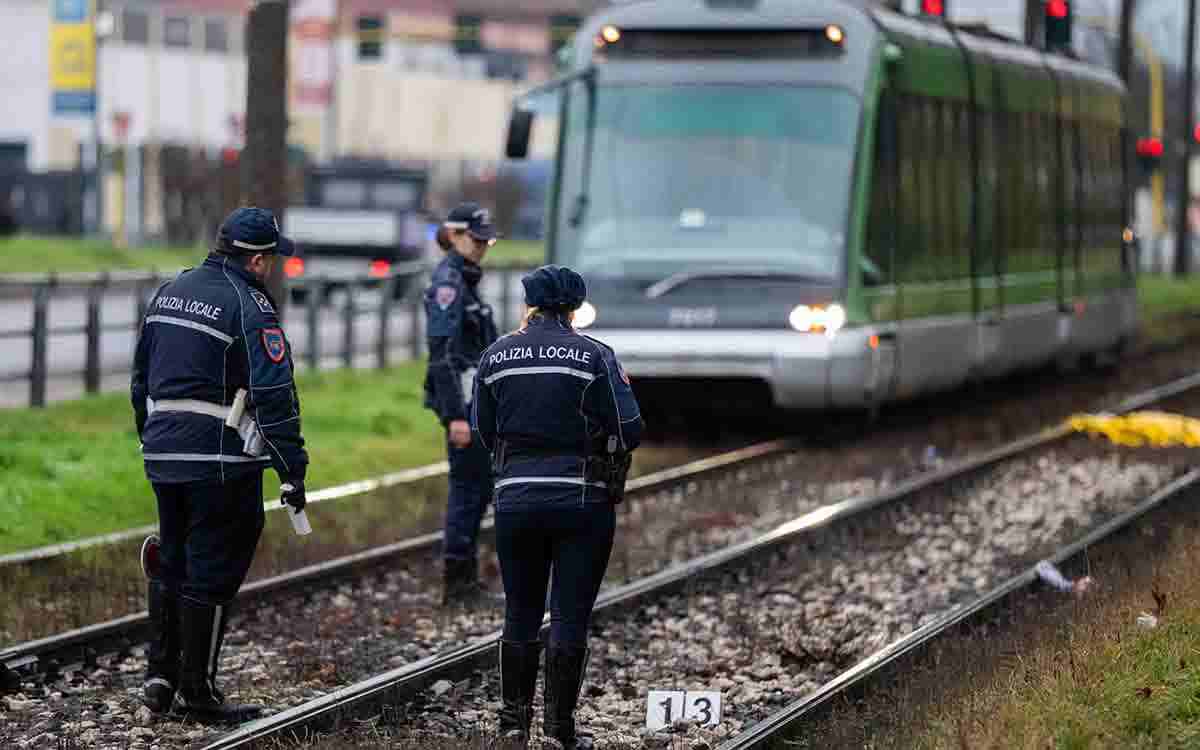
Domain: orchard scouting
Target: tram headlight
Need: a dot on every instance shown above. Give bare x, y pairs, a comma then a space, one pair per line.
818, 318
585, 315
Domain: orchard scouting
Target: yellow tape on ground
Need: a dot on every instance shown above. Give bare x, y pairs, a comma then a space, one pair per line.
1139, 428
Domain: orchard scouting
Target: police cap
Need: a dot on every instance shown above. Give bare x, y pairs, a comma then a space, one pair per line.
251, 231
476, 220
554, 288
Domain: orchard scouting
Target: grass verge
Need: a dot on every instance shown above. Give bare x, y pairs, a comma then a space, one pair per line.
74, 469
30, 254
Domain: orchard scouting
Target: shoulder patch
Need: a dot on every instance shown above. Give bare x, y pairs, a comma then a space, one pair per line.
263, 303
274, 344
446, 274
445, 295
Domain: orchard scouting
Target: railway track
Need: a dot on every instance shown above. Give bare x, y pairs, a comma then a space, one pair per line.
73, 650
793, 726
784, 554
88, 646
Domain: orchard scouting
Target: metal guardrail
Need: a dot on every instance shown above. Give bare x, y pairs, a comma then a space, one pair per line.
400, 290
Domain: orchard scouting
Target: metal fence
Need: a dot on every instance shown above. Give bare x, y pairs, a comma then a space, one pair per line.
361, 322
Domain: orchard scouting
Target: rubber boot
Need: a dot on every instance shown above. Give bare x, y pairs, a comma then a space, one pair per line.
564, 677
162, 667
203, 630
461, 585
518, 683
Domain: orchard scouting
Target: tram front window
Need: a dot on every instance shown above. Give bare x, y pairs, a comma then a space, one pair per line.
711, 176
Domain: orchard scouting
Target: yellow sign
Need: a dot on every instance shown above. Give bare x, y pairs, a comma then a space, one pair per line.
72, 56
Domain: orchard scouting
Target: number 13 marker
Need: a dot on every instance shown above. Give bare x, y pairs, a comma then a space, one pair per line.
665, 707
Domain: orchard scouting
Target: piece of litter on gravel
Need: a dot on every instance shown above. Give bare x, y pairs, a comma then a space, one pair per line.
1147, 621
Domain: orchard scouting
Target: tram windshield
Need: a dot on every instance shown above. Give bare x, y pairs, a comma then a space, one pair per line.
712, 175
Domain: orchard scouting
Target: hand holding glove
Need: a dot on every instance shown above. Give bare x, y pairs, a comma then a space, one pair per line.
292, 493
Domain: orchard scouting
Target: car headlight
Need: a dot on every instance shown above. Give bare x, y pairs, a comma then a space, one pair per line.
817, 318
585, 315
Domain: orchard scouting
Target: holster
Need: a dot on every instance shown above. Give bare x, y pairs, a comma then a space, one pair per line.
612, 469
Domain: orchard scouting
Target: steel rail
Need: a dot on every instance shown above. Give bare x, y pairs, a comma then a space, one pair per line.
789, 720
70, 650
367, 696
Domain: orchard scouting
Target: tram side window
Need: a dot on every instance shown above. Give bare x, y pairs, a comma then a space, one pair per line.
961, 192
912, 216
1050, 205
1101, 259
881, 220
1074, 193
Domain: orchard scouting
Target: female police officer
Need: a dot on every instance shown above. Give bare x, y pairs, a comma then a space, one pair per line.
556, 410
460, 328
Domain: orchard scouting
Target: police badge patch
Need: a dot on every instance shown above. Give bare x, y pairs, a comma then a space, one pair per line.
263, 303
274, 343
445, 296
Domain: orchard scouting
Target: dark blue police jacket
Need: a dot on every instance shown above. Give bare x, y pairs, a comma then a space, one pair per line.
553, 396
209, 332
460, 327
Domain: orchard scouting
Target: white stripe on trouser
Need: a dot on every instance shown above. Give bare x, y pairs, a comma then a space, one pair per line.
547, 480
212, 648
540, 371
183, 323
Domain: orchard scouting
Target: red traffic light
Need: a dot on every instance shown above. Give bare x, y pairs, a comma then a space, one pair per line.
1151, 148
933, 7
1057, 8
1196, 133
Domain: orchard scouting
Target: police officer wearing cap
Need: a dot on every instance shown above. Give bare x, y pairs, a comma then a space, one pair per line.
460, 327
556, 410
215, 404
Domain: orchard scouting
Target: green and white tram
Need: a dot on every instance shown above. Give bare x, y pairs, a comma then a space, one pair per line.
838, 203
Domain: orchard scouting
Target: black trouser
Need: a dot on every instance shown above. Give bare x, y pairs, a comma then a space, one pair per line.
577, 542
470, 494
209, 531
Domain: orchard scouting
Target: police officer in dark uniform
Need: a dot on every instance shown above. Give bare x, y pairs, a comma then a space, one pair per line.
215, 404
556, 410
460, 327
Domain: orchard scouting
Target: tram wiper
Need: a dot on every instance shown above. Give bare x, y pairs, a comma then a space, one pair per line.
580, 205
676, 280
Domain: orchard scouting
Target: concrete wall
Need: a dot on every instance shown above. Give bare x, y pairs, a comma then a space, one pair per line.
25, 84
172, 96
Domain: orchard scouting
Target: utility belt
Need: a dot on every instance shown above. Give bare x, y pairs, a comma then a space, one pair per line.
234, 417
610, 468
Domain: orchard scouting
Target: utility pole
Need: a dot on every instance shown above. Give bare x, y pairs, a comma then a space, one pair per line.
264, 161
1183, 240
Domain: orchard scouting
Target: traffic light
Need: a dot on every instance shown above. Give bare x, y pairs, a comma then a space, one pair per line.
1058, 24
1149, 154
933, 8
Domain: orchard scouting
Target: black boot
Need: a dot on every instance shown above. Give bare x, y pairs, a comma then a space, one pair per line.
518, 683
203, 629
462, 587
162, 667
564, 677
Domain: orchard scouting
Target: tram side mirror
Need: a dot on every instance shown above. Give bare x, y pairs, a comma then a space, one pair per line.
520, 126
